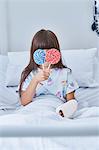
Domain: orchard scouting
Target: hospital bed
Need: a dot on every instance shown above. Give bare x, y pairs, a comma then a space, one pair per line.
30, 126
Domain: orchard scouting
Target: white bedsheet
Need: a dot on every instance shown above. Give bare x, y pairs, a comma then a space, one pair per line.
41, 111
71, 143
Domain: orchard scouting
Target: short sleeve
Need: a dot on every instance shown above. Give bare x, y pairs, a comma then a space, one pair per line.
72, 84
27, 81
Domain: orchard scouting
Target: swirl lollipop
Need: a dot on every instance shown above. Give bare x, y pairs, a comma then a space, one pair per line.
52, 56
39, 56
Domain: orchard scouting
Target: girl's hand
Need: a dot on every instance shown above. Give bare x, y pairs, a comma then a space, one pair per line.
42, 75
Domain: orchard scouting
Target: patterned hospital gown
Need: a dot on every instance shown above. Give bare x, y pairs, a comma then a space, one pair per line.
59, 83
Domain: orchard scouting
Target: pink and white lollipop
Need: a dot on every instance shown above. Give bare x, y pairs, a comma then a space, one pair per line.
52, 56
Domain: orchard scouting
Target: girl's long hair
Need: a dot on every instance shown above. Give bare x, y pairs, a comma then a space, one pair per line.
43, 39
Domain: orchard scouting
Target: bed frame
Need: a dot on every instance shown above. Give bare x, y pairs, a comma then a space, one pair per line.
71, 21
70, 130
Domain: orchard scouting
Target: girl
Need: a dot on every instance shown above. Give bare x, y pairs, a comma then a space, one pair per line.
56, 80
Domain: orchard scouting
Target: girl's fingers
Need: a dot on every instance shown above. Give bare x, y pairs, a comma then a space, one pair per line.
46, 73
47, 70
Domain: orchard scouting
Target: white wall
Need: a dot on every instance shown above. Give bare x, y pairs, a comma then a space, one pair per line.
3, 27
70, 19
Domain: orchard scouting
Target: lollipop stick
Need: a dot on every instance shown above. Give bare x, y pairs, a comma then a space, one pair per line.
43, 66
49, 66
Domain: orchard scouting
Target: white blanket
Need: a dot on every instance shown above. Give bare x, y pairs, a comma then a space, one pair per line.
42, 110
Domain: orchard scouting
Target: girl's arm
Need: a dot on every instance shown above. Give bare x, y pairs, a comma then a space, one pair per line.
28, 94
70, 96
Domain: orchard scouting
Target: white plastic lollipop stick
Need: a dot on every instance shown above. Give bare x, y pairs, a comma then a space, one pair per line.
43, 67
49, 66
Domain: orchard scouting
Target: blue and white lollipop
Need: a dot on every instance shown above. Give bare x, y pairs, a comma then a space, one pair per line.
39, 56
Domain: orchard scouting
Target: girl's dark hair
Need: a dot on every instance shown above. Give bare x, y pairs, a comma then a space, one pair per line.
43, 39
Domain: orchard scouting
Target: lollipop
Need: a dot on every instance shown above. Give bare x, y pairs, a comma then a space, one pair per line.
39, 56
53, 56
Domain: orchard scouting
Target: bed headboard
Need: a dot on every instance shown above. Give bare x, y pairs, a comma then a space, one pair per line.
70, 19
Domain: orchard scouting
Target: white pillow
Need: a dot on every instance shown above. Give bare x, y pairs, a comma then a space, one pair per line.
13, 74
96, 70
3, 67
82, 63
17, 62
19, 58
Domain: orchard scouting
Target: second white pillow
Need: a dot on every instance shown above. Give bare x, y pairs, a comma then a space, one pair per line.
82, 63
